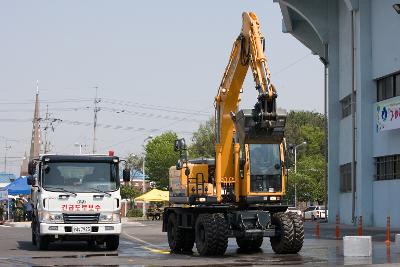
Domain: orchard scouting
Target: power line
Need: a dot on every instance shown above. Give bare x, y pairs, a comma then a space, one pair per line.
292, 64
156, 107
30, 102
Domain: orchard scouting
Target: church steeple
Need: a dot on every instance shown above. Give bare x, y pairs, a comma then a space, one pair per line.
35, 140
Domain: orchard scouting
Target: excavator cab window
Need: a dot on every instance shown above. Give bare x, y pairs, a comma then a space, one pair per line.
265, 168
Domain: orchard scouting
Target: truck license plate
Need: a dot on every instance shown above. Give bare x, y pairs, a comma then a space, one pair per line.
81, 229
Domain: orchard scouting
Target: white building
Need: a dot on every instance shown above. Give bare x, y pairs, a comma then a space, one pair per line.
360, 42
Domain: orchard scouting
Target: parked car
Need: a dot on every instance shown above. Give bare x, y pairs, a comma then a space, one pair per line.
295, 210
314, 213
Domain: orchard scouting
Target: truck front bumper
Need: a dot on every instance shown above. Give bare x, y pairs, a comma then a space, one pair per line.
67, 229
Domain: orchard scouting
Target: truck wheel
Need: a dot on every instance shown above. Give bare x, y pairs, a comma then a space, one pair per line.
211, 233
42, 241
298, 228
33, 234
282, 242
112, 242
249, 244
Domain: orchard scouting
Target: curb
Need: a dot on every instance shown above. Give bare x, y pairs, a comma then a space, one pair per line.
18, 224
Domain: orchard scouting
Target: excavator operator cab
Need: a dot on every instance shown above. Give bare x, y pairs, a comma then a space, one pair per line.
265, 168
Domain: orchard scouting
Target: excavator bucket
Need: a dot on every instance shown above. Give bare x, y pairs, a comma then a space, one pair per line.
252, 132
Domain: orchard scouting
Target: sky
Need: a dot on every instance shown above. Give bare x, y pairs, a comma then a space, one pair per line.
157, 66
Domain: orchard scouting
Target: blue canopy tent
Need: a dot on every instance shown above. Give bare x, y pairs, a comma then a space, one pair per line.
19, 187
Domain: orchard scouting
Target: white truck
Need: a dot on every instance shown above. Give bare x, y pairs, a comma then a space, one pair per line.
76, 197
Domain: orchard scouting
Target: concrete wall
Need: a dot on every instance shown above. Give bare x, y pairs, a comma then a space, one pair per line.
344, 50
385, 25
386, 199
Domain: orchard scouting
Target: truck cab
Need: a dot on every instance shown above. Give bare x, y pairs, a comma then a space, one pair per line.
77, 198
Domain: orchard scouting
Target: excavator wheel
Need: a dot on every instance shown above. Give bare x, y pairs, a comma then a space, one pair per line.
179, 240
249, 244
283, 242
298, 228
211, 233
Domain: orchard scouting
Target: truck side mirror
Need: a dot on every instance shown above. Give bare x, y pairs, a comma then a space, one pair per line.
126, 175
31, 168
30, 180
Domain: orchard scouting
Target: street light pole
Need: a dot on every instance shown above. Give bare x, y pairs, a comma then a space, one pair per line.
295, 171
144, 173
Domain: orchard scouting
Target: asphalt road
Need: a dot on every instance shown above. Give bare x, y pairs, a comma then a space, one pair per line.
143, 244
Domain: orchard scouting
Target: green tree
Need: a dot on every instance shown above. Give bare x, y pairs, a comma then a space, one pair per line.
160, 156
134, 162
306, 126
203, 141
129, 192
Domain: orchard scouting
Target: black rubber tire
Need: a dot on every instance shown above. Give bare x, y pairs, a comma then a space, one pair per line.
298, 228
42, 241
249, 244
211, 234
282, 243
112, 242
188, 240
33, 234
175, 235
222, 234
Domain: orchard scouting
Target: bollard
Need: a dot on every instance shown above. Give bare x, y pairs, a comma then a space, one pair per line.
388, 257
360, 226
337, 231
317, 230
388, 230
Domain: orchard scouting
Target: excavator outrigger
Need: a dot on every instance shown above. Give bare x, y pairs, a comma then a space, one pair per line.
239, 193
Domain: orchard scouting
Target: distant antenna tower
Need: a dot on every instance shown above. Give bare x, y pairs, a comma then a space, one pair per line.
96, 109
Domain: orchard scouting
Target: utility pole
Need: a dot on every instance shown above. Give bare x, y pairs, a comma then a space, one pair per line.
6, 147
49, 124
96, 109
45, 129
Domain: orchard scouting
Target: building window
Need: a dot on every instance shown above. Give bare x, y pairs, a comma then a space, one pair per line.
387, 167
346, 106
345, 178
388, 87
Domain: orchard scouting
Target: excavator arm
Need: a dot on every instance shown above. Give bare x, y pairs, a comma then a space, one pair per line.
255, 125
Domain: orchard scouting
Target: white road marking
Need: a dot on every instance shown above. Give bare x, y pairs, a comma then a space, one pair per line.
140, 240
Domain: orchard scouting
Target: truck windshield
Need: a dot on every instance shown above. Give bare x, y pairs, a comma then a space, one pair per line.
80, 176
265, 168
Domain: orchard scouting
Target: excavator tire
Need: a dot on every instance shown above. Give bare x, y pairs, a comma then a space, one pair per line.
211, 233
298, 228
282, 243
249, 244
222, 237
188, 241
176, 238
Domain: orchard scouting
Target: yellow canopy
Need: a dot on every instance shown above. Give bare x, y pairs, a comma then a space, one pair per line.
154, 195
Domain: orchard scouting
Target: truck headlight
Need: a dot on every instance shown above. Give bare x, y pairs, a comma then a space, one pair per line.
50, 217
109, 218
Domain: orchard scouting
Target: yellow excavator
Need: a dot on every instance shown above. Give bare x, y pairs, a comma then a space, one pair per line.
239, 193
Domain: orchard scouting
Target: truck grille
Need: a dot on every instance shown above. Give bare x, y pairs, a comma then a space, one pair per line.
81, 218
